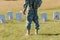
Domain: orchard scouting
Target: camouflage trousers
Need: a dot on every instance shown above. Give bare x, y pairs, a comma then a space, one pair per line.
32, 16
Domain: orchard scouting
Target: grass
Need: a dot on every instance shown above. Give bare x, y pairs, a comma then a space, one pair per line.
15, 30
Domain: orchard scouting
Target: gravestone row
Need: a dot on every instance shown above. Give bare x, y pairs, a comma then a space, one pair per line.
10, 16
19, 16
55, 16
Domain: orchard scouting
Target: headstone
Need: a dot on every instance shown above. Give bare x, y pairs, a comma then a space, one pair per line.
19, 16
2, 18
10, 15
43, 16
56, 15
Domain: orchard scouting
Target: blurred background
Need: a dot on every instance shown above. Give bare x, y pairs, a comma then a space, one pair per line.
8, 0
15, 30
18, 4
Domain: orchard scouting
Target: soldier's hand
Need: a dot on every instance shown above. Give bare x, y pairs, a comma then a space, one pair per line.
24, 12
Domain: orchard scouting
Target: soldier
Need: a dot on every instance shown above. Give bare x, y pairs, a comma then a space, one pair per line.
30, 8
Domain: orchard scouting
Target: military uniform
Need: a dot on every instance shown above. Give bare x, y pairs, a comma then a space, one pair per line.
31, 6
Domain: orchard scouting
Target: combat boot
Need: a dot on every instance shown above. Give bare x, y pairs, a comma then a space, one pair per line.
28, 32
36, 32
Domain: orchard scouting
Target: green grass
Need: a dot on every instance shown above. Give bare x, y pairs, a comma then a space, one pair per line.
15, 30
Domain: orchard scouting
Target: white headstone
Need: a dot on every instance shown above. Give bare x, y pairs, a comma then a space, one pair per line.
2, 18
19, 15
56, 15
10, 15
43, 16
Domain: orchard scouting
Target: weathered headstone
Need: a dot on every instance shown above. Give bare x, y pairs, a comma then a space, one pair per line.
10, 15
43, 16
2, 18
19, 16
56, 15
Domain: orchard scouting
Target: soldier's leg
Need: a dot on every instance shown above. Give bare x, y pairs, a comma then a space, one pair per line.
35, 19
28, 23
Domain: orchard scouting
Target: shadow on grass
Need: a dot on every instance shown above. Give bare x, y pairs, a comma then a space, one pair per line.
48, 34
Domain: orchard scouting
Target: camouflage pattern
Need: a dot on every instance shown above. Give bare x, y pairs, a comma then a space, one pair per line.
31, 6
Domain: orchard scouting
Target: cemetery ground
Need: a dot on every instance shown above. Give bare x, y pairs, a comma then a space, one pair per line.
16, 30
